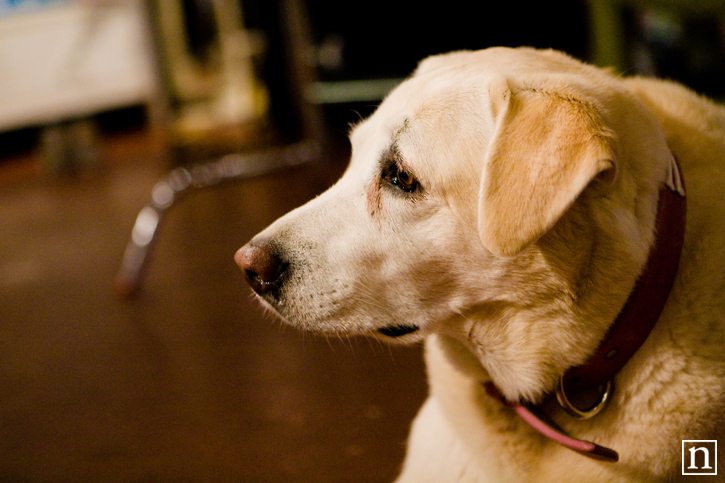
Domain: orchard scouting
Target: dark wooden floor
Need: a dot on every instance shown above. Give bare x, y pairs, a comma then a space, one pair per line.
190, 382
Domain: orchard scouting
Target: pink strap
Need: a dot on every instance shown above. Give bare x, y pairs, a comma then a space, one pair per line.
548, 428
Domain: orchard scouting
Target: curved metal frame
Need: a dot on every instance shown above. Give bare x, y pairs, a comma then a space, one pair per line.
183, 181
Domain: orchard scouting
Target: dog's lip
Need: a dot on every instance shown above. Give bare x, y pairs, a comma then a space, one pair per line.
398, 330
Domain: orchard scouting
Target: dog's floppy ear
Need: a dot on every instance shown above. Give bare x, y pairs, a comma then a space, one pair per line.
547, 147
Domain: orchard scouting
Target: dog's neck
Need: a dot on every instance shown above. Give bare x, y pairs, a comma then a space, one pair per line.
628, 332
647, 300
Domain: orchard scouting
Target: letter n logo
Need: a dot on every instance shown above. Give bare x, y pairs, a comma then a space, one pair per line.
699, 457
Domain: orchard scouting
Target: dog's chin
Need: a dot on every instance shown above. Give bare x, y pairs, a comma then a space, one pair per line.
403, 333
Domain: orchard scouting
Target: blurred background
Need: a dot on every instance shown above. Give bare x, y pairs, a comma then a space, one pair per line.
142, 143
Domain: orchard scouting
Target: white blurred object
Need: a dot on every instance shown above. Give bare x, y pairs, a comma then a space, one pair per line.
70, 61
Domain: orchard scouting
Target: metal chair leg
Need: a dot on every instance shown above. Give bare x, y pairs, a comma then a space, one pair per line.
185, 180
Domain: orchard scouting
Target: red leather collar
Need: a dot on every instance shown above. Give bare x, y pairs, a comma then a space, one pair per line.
633, 325
647, 300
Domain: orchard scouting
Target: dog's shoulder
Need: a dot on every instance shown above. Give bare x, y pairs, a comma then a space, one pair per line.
694, 127
693, 124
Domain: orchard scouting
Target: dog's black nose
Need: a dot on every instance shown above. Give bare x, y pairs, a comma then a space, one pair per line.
262, 266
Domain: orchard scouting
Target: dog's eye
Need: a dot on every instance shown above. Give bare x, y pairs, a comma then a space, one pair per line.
402, 179
405, 181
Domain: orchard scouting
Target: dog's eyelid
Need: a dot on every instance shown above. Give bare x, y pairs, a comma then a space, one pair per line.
395, 172
393, 157
400, 166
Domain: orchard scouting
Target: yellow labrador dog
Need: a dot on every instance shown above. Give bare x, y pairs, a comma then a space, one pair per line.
556, 235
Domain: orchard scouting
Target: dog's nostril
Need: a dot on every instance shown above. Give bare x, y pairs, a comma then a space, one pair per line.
261, 264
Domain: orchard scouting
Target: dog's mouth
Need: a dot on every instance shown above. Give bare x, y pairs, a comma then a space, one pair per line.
398, 330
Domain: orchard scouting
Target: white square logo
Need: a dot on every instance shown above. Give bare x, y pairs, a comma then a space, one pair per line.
699, 457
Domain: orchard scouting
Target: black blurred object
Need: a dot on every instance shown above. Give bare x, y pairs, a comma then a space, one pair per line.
388, 38
380, 39
686, 48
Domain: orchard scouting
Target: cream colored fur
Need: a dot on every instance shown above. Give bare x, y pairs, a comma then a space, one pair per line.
539, 178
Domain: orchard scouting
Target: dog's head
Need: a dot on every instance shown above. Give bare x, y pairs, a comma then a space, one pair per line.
503, 198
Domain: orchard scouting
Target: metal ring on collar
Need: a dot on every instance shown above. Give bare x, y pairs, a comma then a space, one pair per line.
583, 413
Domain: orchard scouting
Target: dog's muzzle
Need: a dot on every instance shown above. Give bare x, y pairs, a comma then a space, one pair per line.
262, 266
